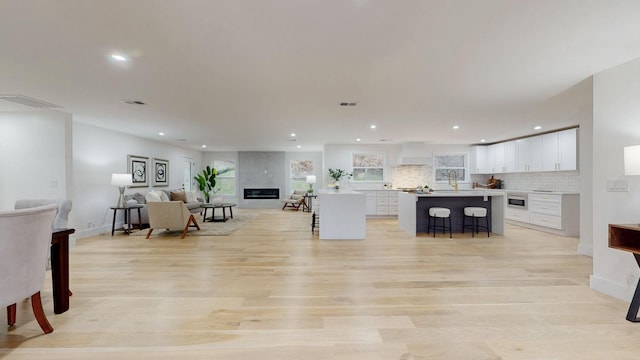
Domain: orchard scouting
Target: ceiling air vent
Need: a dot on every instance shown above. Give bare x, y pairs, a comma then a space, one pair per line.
133, 102
27, 101
348, 103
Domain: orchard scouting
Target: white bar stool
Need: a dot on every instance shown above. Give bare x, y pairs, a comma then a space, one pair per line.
436, 213
475, 213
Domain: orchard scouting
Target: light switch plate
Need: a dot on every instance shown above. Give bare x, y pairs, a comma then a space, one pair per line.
617, 185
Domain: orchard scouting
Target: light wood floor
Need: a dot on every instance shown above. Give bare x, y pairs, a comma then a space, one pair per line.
273, 291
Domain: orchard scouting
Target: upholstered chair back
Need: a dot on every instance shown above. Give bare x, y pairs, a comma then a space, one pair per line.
24, 245
62, 211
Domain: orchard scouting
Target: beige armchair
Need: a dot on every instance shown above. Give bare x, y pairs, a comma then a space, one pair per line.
295, 200
25, 241
170, 215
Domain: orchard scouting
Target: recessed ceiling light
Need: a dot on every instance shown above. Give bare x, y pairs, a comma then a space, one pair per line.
161, 133
204, 146
538, 127
456, 127
373, 126
118, 57
358, 139
483, 140
299, 146
293, 134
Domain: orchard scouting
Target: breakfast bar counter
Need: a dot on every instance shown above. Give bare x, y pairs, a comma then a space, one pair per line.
413, 208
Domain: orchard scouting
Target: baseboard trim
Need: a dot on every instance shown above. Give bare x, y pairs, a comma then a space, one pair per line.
618, 291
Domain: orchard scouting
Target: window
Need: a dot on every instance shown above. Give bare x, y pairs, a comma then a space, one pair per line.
368, 167
450, 167
226, 179
299, 171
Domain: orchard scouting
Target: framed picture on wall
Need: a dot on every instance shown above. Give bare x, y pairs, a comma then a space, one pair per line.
137, 166
160, 172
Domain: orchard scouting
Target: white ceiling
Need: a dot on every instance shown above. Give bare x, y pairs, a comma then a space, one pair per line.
244, 74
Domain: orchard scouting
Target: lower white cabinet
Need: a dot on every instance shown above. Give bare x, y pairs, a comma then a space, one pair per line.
381, 202
555, 213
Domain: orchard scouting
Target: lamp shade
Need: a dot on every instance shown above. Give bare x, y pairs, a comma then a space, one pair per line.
311, 179
121, 179
632, 160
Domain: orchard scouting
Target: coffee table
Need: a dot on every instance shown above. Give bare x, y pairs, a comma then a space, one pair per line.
213, 207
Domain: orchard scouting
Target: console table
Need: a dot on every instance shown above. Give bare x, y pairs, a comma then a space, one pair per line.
627, 238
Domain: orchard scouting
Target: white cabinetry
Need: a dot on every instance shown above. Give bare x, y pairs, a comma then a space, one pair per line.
510, 157
549, 152
529, 154
381, 202
479, 160
555, 213
559, 150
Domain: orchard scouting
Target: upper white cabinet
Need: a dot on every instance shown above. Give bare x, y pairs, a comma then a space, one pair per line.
510, 156
549, 152
559, 151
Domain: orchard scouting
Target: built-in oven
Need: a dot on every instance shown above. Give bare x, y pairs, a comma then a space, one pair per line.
517, 200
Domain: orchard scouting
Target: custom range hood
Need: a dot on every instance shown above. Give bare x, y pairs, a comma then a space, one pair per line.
414, 153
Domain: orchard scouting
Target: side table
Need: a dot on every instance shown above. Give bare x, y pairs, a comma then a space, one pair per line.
308, 202
127, 216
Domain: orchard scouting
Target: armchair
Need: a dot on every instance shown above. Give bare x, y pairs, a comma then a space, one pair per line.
170, 215
295, 200
25, 241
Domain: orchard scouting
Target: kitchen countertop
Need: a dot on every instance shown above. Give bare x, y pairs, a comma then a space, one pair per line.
460, 193
540, 192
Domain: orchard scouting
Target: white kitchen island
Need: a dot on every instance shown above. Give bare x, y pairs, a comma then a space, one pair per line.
412, 208
342, 215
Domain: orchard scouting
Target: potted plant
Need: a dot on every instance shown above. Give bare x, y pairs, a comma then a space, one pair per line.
207, 182
337, 174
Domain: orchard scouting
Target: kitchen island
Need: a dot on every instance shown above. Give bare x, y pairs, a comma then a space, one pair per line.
413, 208
342, 215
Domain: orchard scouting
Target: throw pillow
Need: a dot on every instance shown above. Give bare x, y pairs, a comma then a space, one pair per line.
178, 196
191, 196
153, 196
163, 195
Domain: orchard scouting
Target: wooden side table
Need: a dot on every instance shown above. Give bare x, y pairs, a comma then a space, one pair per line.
627, 238
127, 215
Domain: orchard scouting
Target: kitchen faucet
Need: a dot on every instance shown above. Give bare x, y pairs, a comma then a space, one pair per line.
455, 180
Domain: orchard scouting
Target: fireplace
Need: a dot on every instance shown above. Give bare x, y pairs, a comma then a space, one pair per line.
262, 193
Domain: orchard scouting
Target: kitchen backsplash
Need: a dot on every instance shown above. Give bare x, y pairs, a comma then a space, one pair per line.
565, 181
410, 176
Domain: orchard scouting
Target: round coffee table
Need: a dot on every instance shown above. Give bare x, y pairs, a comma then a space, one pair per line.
213, 207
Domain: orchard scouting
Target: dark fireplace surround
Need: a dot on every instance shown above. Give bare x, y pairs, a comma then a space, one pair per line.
261, 193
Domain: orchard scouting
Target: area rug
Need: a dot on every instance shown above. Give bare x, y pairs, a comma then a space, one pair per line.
206, 228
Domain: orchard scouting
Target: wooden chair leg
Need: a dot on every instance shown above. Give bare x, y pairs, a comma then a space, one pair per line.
11, 315
38, 312
149, 233
189, 222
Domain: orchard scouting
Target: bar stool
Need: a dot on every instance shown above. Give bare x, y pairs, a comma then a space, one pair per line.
475, 213
436, 213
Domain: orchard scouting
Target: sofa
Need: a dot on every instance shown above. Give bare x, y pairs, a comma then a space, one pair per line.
191, 201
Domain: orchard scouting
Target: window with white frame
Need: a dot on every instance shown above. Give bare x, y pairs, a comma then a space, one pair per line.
368, 167
226, 179
299, 171
450, 167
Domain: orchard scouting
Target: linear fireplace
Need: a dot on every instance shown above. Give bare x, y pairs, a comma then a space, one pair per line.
260, 194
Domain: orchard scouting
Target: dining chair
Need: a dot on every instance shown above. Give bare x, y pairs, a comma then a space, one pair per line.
24, 244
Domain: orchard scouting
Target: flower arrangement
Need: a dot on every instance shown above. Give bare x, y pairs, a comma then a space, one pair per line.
337, 174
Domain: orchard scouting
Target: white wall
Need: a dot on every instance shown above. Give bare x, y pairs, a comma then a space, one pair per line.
340, 156
35, 156
97, 153
616, 123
